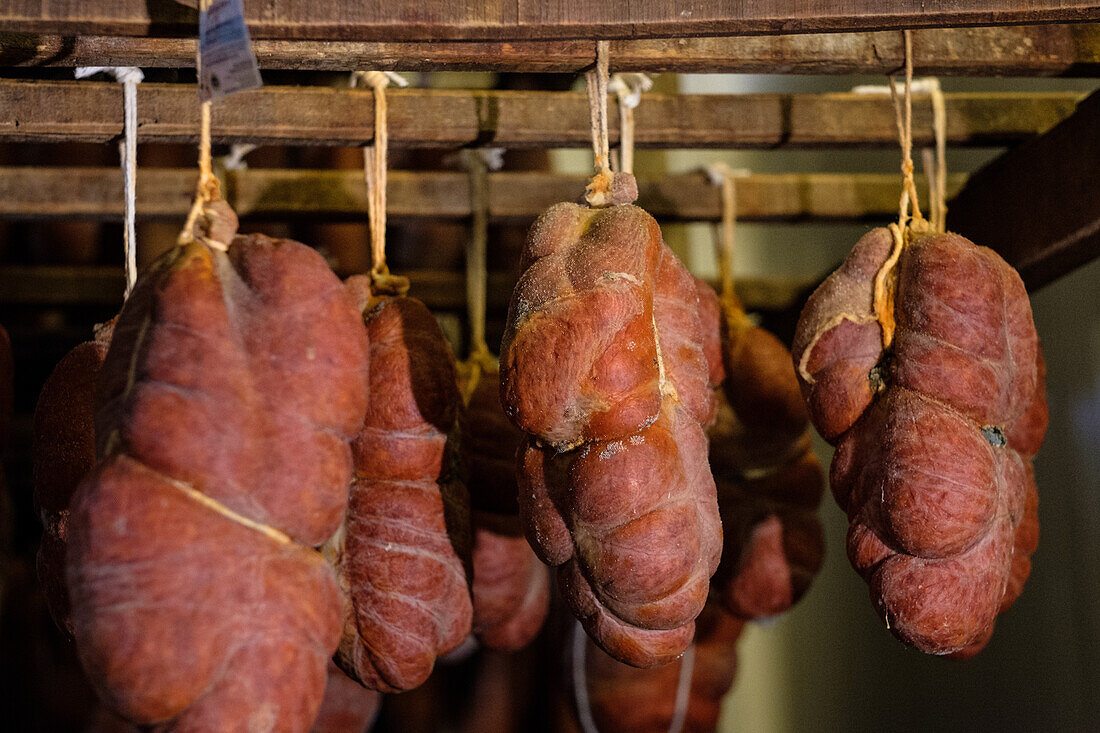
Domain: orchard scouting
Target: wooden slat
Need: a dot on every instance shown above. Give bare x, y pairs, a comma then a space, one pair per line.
92, 111
1038, 50
96, 193
1039, 205
533, 19
440, 290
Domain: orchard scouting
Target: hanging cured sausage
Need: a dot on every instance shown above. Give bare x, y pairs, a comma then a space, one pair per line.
684, 695
919, 361
602, 364
511, 588
64, 453
402, 552
225, 407
399, 554
769, 480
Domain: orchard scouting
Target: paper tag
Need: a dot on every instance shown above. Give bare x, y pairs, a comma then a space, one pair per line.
228, 63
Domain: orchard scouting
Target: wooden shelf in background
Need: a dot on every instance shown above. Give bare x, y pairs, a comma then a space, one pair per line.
1038, 205
440, 290
96, 193
1036, 50
89, 111
430, 20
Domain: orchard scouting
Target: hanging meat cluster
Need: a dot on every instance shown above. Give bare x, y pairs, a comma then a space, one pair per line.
769, 480
687, 692
64, 453
224, 408
402, 551
609, 381
769, 486
221, 413
919, 361
511, 587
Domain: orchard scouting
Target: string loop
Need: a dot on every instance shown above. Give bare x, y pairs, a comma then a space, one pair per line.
628, 88
596, 80
235, 160
129, 77
374, 170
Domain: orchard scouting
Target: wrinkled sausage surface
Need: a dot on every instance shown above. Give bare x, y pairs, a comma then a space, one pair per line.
511, 588
226, 404
927, 377
400, 553
631, 521
579, 357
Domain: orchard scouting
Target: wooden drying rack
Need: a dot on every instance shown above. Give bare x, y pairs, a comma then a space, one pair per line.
1039, 204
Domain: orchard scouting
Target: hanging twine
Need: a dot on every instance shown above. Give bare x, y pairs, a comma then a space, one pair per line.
374, 170
478, 163
903, 116
628, 89
596, 80
723, 176
208, 190
937, 176
129, 77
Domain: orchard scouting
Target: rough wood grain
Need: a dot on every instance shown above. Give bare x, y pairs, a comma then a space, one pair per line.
1037, 50
96, 193
43, 111
530, 19
41, 285
1038, 205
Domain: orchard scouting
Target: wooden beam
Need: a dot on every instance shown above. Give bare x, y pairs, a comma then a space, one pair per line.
43, 111
440, 290
1038, 205
1037, 50
427, 20
96, 193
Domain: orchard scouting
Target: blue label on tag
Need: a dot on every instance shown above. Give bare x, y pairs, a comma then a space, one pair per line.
228, 63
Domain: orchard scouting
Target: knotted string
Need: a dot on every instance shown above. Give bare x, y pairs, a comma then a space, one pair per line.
903, 116
129, 77
596, 81
374, 169
628, 89
208, 189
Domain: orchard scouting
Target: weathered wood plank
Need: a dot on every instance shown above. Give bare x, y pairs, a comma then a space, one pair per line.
440, 290
1039, 50
533, 19
1038, 205
42, 111
96, 193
